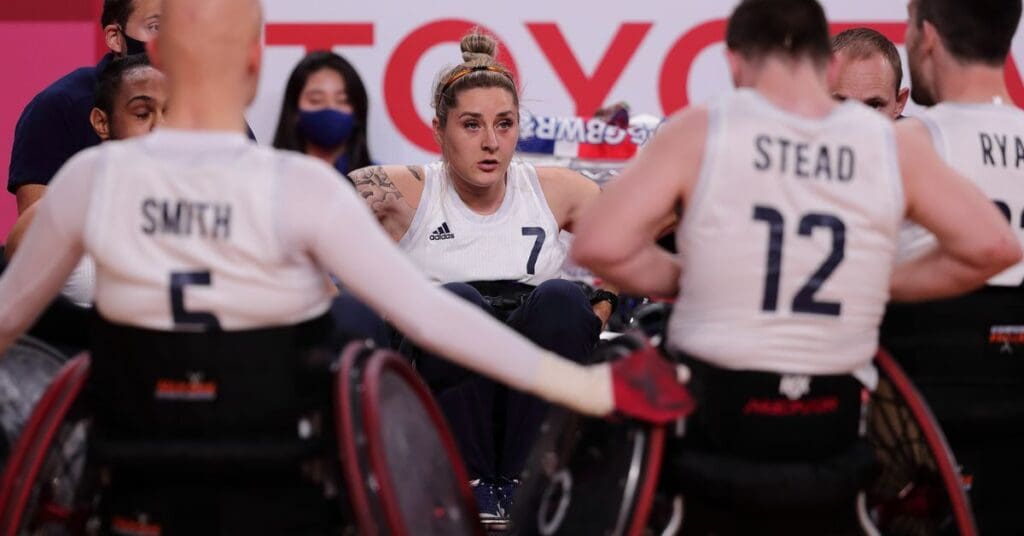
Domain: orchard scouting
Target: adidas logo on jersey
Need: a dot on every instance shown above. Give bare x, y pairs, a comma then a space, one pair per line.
442, 233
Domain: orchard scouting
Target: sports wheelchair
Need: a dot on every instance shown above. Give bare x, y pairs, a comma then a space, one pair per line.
590, 476
390, 450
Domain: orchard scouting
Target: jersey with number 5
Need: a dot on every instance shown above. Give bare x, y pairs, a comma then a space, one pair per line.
451, 243
186, 231
788, 239
985, 142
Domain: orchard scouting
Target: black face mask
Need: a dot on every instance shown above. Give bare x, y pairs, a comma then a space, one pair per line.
132, 45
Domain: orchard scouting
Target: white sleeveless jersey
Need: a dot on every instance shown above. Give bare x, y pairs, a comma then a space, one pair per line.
984, 142
182, 228
451, 243
788, 240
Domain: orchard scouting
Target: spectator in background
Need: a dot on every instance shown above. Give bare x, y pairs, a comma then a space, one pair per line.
868, 69
130, 100
324, 112
324, 116
55, 125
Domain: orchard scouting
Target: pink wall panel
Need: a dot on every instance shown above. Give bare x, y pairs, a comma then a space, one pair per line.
34, 55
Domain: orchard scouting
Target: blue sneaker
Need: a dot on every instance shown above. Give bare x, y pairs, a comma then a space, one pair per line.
505, 489
485, 493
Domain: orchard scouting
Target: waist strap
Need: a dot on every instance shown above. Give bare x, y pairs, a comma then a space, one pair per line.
765, 416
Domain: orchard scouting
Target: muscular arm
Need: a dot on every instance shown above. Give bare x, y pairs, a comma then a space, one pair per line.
377, 186
616, 237
974, 239
568, 193
28, 195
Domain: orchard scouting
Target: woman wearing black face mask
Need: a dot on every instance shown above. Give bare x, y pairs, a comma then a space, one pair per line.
132, 46
324, 112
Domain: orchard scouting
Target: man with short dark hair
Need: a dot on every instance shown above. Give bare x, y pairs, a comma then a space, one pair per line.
967, 355
792, 204
211, 253
868, 68
55, 124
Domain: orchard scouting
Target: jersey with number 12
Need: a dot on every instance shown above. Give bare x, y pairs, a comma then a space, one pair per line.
788, 239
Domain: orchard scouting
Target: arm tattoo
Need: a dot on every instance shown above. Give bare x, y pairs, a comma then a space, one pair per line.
415, 173
375, 186
380, 193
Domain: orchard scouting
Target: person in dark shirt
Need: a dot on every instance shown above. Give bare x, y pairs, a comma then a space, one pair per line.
55, 124
130, 101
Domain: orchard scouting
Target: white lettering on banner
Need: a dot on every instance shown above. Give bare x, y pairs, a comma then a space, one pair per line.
582, 130
570, 130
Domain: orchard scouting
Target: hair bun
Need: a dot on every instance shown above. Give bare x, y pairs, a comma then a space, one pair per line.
477, 46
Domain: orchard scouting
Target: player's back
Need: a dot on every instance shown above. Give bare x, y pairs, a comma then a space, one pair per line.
186, 230
984, 142
966, 348
788, 239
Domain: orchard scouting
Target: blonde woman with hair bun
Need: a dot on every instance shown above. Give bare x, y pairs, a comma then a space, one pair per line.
486, 226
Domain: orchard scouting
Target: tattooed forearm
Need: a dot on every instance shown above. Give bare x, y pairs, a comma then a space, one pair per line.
415, 172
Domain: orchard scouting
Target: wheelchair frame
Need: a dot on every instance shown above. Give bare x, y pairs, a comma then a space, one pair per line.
377, 510
22, 474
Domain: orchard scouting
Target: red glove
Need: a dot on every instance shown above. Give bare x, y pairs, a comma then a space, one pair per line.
645, 387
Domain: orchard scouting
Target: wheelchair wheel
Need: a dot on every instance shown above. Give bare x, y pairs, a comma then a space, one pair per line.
920, 490
26, 369
39, 490
401, 464
590, 476
352, 438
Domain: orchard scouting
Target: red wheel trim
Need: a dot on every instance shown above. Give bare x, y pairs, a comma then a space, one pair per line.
936, 441
346, 433
645, 498
386, 361
30, 451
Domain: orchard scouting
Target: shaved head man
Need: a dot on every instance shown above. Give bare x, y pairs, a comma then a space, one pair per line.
212, 66
868, 69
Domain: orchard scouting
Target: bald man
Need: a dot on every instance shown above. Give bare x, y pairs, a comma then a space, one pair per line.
212, 312
868, 69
